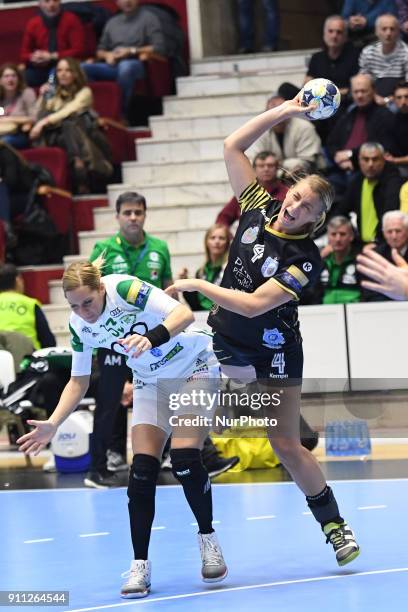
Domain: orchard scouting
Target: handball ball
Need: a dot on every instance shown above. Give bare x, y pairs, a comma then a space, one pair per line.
325, 94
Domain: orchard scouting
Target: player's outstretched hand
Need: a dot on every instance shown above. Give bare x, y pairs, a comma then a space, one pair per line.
296, 106
135, 344
387, 278
36, 440
183, 284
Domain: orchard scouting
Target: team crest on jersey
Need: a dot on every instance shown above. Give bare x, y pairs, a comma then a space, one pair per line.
86, 330
156, 352
250, 235
269, 267
273, 339
154, 256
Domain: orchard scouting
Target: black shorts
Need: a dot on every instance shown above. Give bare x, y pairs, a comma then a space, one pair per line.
283, 364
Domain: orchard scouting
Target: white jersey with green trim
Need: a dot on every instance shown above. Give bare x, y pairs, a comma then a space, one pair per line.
133, 306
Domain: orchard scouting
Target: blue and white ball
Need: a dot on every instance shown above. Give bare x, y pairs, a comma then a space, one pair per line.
325, 94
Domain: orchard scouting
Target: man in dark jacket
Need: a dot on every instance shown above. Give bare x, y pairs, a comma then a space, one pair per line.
372, 192
364, 121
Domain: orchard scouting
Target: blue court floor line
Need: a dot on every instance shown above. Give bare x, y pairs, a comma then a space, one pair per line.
248, 587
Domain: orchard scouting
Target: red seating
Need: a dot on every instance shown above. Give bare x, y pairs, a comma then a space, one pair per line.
107, 98
58, 201
52, 158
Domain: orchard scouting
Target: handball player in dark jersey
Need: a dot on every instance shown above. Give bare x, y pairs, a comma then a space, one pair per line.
254, 317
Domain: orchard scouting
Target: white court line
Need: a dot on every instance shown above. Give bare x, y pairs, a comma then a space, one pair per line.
94, 535
39, 540
260, 518
219, 591
214, 523
215, 485
371, 507
159, 527
307, 514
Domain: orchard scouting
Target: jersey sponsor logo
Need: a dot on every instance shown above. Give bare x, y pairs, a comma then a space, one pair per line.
272, 338
115, 312
156, 352
258, 252
241, 274
250, 235
269, 267
154, 256
307, 266
153, 265
119, 265
154, 275
158, 364
86, 330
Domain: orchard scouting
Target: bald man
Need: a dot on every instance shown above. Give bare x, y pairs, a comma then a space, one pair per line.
386, 60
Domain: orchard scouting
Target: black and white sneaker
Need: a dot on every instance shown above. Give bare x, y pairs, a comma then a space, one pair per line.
139, 579
217, 465
102, 480
343, 541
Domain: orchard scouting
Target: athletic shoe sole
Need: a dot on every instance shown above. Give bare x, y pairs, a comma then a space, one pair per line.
217, 579
350, 558
135, 595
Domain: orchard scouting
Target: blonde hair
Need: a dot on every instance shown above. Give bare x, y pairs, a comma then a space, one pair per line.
322, 188
83, 274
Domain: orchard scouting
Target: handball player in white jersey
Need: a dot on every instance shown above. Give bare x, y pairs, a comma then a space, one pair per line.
124, 314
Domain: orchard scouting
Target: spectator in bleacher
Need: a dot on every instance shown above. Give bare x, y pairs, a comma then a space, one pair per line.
395, 232
17, 107
128, 39
266, 166
363, 121
373, 191
294, 141
361, 15
402, 13
400, 158
338, 60
216, 244
339, 282
66, 120
386, 61
20, 313
246, 11
51, 35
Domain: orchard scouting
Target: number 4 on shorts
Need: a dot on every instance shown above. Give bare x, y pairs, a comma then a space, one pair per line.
278, 361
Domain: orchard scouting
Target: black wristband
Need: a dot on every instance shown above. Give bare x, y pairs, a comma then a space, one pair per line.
158, 335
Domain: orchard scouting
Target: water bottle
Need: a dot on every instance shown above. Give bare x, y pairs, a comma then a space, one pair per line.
52, 86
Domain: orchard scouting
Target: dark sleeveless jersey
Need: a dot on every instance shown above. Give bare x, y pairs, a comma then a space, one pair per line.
257, 254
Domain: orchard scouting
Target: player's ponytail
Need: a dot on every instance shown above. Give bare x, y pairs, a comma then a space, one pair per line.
83, 274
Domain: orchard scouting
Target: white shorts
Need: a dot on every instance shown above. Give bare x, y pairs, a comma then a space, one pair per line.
159, 404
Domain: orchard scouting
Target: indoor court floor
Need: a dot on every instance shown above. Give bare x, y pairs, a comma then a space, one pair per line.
77, 540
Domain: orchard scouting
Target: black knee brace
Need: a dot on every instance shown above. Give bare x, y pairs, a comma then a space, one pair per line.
143, 476
141, 492
189, 470
187, 465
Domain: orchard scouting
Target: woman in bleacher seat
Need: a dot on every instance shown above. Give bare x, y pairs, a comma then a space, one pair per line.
65, 119
17, 107
216, 243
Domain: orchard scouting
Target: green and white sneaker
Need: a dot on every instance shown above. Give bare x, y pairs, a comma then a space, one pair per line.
213, 567
138, 582
343, 541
